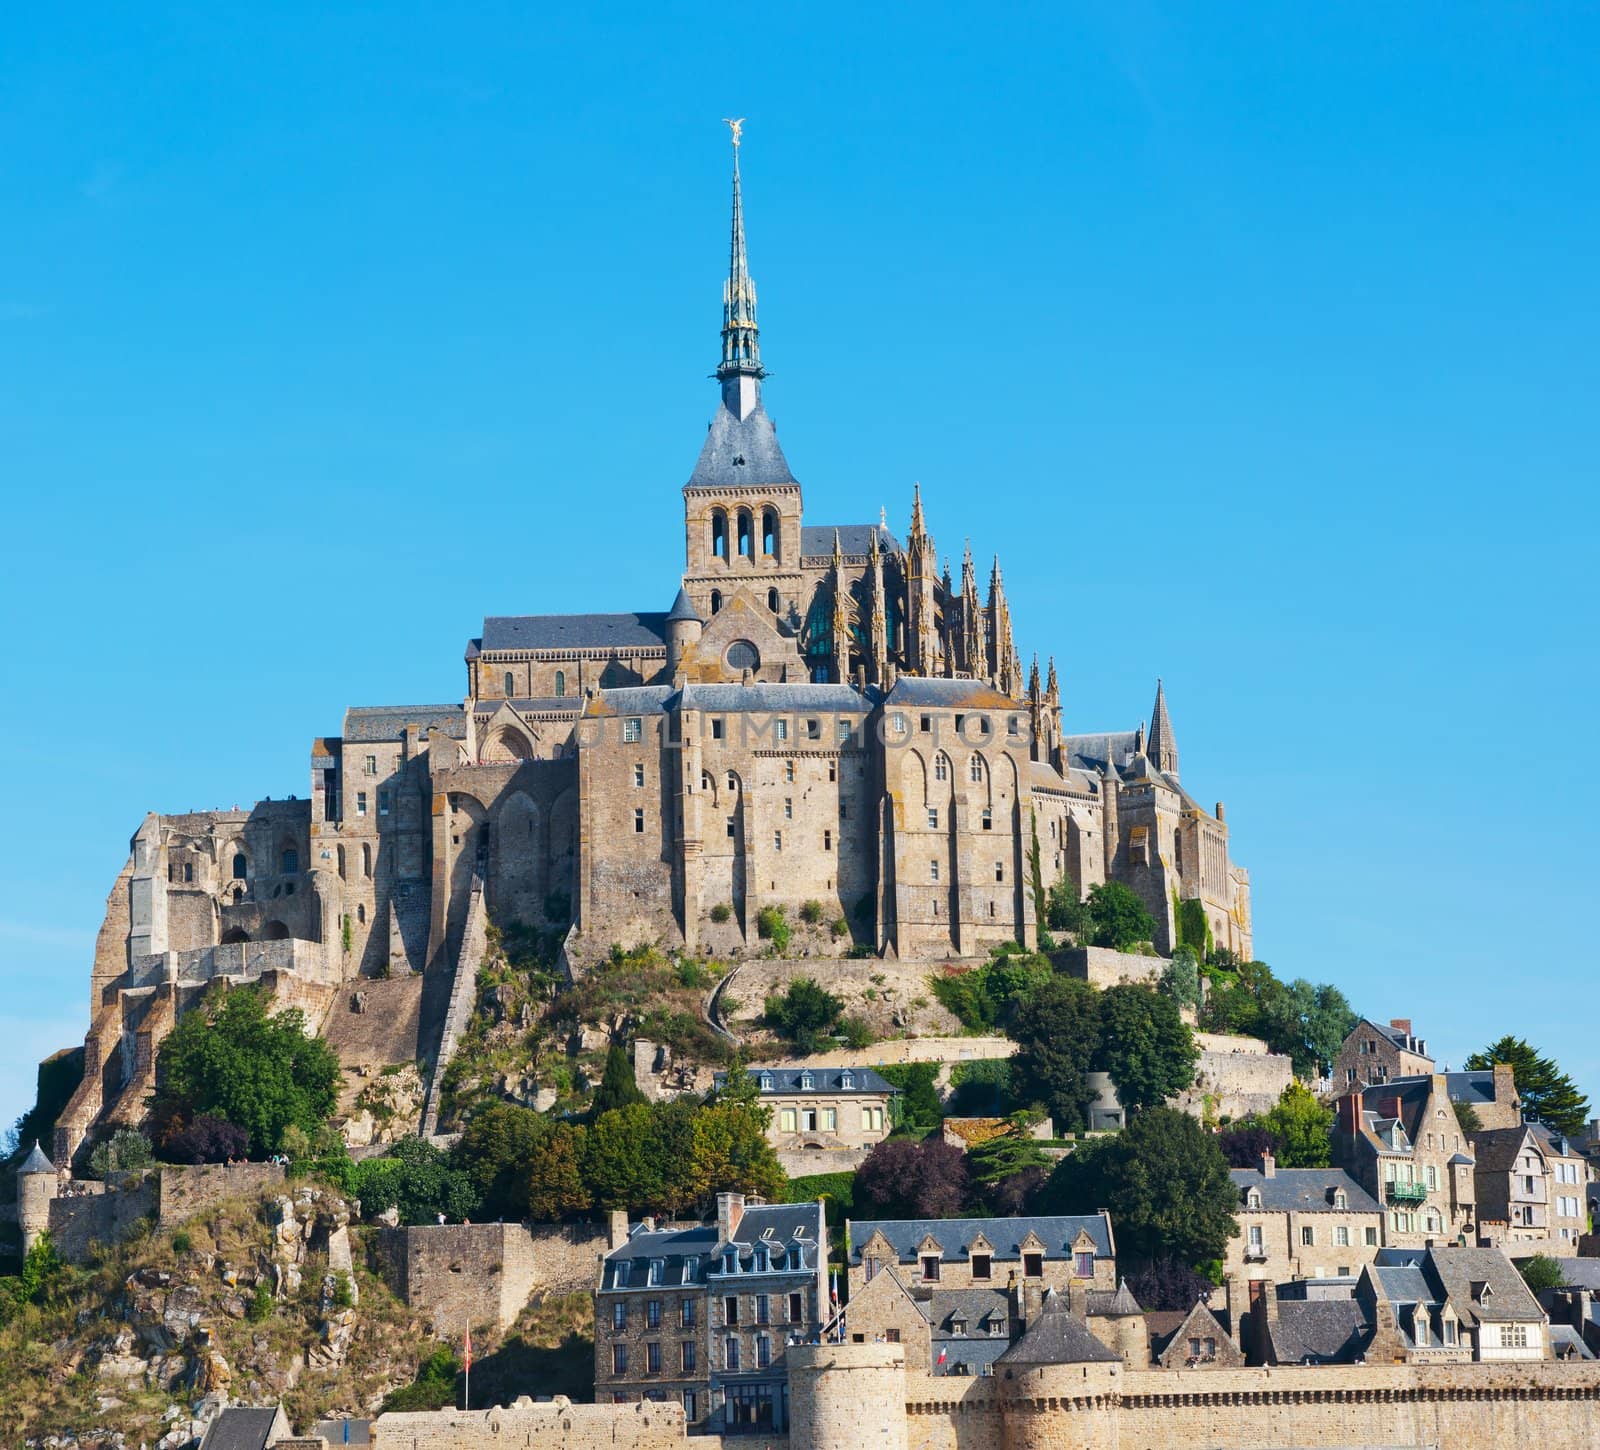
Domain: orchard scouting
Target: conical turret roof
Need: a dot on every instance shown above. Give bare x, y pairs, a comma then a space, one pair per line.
36, 1162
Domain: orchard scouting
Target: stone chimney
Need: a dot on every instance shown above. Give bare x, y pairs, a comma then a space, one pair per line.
1505, 1083
730, 1209
1268, 1165
617, 1223
1221, 814
1401, 1024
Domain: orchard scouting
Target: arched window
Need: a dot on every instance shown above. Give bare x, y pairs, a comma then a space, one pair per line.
975, 770
719, 534
716, 600
941, 768
746, 542
561, 683
769, 532
240, 866
773, 600
511, 684
291, 861
366, 860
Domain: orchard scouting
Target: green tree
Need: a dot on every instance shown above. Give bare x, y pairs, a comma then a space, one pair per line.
1541, 1272
553, 1183
1115, 917
805, 1014
1194, 930
617, 1089
232, 1059
1327, 1018
1145, 1045
1301, 1128
918, 1107
1181, 979
617, 1164
1548, 1094
1063, 910
730, 1152
496, 1149
126, 1151
418, 1180
1467, 1118
1057, 1030
1163, 1180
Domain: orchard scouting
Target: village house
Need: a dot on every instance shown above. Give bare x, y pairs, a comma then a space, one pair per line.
1449, 1303
824, 1108
1301, 1223
1373, 1053
1531, 1184
1401, 1142
700, 1315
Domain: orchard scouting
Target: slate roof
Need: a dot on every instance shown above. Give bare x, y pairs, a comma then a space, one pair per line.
1567, 1343
682, 607
776, 1223
1496, 1149
777, 698
938, 691
740, 453
1115, 1303
371, 724
531, 705
36, 1162
1304, 1189
1005, 1235
1090, 752
975, 1306
817, 539
573, 631
824, 1080
630, 700
1404, 1284
1200, 1322
1557, 1144
1575, 1273
1457, 1270
1470, 1087
241, 1427
1324, 1331
1057, 1337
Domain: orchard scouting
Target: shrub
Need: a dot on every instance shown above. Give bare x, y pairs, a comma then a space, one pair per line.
861, 951
181, 1242
772, 924
903, 1179
811, 913
127, 1151
839, 927
857, 1032
917, 1107
1540, 1273
836, 1190
805, 1014
434, 1387
260, 1306
692, 973
721, 912
343, 1294
206, 1139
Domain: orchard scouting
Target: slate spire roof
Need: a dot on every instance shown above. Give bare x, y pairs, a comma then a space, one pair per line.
36, 1162
1163, 747
682, 608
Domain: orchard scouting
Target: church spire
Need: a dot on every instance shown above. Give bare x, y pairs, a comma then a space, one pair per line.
740, 371
1162, 748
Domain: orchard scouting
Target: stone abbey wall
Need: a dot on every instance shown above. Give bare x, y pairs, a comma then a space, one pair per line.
556, 1424
485, 1273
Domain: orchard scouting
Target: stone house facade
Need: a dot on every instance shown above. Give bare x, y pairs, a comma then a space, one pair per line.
1400, 1141
1057, 1252
821, 714
824, 1108
1301, 1223
1374, 1053
701, 1315
1467, 1304
1532, 1188
1491, 1093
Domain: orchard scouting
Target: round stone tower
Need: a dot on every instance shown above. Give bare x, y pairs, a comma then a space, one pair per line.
683, 630
847, 1396
37, 1184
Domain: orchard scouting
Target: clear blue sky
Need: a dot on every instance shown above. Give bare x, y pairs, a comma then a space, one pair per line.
1260, 342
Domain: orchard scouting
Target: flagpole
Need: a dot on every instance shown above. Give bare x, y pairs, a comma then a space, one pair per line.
466, 1385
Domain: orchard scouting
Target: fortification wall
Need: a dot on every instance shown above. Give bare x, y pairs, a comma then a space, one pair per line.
1232, 1084
96, 1214
482, 1273
846, 1396
1102, 967
557, 1424
188, 1189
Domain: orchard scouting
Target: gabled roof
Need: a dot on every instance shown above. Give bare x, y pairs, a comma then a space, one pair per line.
1463, 1274
1555, 1145
630, 700
241, 1427
817, 539
645, 630
1005, 1235
1323, 1331
1304, 1189
1091, 752
741, 453
1497, 1149
1199, 1323
374, 724
936, 691
731, 699
1057, 1337
1117, 1303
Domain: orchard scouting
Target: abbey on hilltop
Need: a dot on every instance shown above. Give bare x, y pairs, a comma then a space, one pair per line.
820, 713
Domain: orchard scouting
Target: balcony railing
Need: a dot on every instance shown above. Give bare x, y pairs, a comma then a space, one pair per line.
1407, 1192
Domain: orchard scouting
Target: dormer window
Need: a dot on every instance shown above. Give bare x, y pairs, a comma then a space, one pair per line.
657, 1269
806, 1080
958, 1326
1252, 1199
847, 1080
619, 1277
730, 1262
766, 1082
691, 1267
1340, 1198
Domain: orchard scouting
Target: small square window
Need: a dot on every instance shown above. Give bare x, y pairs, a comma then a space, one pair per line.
788, 772
638, 774
897, 723
638, 822
813, 730
372, 765
716, 729
361, 802
999, 871
988, 819
788, 808
632, 729
733, 828
833, 770
933, 872
927, 724
780, 729
827, 840
933, 818
1308, 1236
